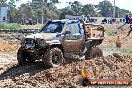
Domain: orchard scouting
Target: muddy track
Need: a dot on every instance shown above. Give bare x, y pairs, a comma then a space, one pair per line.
37, 76
16, 70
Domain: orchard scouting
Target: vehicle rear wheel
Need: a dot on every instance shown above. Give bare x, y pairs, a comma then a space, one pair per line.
53, 57
23, 57
93, 53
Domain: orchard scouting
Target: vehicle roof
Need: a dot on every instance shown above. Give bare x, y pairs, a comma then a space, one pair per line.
65, 20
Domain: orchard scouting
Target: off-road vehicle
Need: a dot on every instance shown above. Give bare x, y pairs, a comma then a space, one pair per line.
58, 38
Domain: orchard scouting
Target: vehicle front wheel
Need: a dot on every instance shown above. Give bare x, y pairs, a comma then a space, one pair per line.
23, 57
53, 57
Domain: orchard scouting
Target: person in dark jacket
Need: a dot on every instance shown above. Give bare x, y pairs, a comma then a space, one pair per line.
129, 30
127, 21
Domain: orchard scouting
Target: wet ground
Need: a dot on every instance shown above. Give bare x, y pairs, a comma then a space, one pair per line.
37, 75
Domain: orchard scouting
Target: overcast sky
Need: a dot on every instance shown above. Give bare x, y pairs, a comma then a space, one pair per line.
124, 4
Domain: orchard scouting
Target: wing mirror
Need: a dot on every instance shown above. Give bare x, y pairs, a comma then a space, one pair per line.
68, 32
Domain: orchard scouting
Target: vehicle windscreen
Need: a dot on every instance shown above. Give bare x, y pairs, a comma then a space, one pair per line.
53, 27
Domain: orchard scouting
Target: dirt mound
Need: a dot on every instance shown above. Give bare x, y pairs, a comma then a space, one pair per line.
69, 75
5, 46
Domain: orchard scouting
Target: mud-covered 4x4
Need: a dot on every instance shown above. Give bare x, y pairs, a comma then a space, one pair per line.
58, 38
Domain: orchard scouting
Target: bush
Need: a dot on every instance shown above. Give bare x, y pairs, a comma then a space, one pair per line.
11, 26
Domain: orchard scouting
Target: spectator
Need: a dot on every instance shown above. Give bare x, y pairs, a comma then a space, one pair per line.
130, 20
85, 75
30, 22
118, 43
129, 30
111, 21
127, 19
88, 17
104, 21
27, 22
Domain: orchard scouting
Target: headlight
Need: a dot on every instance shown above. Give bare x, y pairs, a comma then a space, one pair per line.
41, 42
27, 41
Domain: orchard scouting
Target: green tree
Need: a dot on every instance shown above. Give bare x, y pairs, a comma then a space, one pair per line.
26, 12
13, 13
121, 13
76, 7
105, 8
40, 10
3, 3
45, 9
89, 9
66, 11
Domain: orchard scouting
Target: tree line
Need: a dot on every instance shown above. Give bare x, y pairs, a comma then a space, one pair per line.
40, 11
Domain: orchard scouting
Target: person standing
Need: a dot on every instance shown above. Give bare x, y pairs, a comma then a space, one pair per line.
85, 75
127, 17
129, 30
118, 43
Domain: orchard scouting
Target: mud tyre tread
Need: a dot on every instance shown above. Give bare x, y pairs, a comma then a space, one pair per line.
47, 58
21, 57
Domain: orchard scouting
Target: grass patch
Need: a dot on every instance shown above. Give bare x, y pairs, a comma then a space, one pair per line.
11, 26
37, 26
110, 32
15, 26
127, 51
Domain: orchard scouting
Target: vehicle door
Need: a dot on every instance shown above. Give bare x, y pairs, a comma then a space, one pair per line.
74, 39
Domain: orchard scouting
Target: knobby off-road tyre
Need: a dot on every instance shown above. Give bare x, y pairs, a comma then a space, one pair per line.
93, 53
23, 57
53, 57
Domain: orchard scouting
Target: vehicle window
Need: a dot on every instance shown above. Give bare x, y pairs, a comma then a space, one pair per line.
74, 28
53, 27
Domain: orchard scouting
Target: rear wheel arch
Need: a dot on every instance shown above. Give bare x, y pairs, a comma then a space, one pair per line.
94, 52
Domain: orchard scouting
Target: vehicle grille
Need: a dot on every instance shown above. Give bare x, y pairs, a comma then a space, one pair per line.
29, 41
